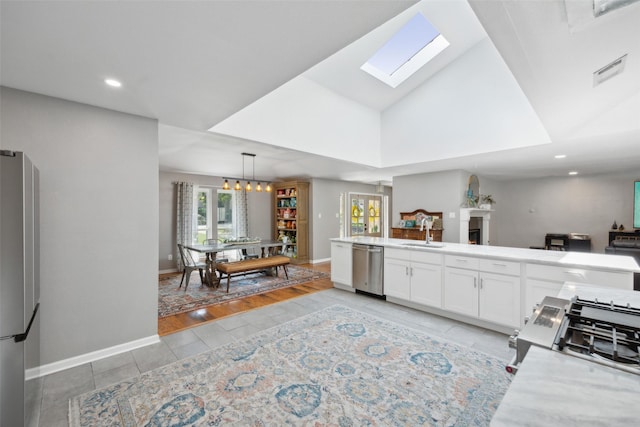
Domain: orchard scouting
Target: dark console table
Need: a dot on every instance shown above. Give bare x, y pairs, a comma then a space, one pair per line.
614, 234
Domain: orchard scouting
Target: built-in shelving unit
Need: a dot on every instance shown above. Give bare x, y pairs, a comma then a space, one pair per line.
291, 204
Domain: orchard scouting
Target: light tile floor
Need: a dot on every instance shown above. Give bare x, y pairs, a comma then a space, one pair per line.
51, 394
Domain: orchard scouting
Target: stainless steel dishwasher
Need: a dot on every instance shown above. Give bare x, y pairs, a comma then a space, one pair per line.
367, 268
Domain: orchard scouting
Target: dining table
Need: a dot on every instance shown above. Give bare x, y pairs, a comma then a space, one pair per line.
266, 248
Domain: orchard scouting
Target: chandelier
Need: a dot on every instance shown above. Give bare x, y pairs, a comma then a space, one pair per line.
248, 188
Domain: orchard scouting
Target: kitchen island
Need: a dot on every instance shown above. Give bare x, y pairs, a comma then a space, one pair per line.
489, 286
554, 388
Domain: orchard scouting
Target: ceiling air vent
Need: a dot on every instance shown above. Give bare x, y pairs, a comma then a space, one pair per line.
600, 7
612, 69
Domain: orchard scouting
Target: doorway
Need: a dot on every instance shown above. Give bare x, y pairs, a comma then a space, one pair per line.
367, 215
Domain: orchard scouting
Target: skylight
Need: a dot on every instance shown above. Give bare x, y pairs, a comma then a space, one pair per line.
415, 44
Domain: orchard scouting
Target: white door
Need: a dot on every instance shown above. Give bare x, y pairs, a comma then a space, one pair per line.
500, 299
426, 284
461, 291
396, 278
366, 212
341, 266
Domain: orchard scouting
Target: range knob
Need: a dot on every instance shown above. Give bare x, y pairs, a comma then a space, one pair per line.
526, 319
513, 339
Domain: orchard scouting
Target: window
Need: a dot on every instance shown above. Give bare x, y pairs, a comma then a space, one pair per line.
408, 50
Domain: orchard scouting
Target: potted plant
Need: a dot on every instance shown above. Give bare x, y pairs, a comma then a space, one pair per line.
486, 201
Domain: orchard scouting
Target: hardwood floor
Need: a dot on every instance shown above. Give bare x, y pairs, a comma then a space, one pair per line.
182, 321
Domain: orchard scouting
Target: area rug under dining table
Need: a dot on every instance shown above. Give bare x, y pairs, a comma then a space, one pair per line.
173, 300
337, 366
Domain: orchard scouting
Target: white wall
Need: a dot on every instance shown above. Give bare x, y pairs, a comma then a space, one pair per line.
320, 122
99, 220
529, 209
476, 106
259, 206
324, 208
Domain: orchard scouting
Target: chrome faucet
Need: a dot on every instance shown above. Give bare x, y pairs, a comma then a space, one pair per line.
425, 222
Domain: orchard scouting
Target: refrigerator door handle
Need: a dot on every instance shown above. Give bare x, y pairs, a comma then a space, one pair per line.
23, 336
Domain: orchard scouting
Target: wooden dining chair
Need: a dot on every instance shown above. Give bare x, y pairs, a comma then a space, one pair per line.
190, 264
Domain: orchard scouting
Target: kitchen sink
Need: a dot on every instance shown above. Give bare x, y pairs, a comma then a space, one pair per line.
425, 244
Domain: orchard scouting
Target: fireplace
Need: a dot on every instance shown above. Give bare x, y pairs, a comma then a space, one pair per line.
474, 236
471, 220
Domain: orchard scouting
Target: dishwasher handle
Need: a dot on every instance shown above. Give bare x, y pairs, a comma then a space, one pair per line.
374, 249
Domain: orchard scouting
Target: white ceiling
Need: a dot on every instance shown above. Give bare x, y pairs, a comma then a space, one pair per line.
192, 64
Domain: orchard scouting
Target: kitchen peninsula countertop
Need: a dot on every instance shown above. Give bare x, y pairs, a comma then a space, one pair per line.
536, 256
552, 388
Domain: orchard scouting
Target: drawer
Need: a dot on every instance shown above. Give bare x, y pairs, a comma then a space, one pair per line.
402, 254
462, 262
581, 275
500, 267
426, 257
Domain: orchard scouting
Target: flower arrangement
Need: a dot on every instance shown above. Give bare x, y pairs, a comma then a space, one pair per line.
486, 200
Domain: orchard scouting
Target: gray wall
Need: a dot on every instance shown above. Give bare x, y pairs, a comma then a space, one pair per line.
99, 219
438, 192
531, 208
526, 210
260, 208
324, 221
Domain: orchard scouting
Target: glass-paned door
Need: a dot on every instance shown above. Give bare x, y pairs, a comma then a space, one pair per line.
226, 214
366, 215
203, 213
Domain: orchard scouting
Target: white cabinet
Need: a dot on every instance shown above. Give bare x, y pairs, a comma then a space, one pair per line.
426, 284
499, 299
413, 276
546, 280
486, 295
341, 263
397, 281
461, 291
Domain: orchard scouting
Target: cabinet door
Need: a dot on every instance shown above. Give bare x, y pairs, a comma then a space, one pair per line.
536, 290
426, 284
341, 263
461, 291
396, 278
500, 299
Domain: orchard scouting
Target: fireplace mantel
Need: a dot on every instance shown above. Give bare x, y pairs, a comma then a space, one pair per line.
466, 214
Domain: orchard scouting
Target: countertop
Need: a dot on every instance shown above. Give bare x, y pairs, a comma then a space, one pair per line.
536, 256
552, 388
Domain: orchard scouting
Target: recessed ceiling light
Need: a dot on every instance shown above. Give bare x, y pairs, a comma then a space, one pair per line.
560, 156
112, 82
573, 173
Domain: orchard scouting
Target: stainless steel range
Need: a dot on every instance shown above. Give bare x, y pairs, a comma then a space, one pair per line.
601, 332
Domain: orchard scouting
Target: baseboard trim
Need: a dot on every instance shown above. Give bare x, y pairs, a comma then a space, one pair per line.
171, 270
319, 261
72, 362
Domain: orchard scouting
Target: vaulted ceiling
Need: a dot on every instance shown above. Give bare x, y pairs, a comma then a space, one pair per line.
281, 79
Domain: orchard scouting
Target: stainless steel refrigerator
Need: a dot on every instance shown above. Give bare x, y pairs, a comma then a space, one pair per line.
19, 282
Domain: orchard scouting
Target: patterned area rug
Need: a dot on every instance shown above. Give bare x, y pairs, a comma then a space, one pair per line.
336, 367
173, 300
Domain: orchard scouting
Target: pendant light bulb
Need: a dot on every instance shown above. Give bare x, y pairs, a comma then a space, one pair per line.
259, 188
225, 186
248, 187
237, 187
268, 188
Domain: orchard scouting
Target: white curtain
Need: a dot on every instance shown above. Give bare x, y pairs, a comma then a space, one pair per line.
185, 227
242, 209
